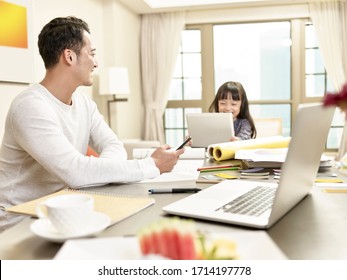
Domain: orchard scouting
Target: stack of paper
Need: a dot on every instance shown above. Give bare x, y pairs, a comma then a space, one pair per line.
269, 158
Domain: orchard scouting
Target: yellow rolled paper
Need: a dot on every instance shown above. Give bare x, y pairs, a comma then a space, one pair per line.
210, 148
225, 152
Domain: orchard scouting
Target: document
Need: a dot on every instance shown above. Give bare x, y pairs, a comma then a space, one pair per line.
269, 158
268, 155
184, 170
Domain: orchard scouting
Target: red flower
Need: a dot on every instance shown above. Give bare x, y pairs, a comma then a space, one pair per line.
336, 99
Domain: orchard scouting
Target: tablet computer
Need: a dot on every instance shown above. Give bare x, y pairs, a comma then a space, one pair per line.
209, 128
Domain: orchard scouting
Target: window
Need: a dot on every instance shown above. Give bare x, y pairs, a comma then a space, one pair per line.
317, 83
260, 61
185, 87
175, 124
186, 84
266, 62
315, 75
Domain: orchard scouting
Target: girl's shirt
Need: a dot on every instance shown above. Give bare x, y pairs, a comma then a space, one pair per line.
243, 129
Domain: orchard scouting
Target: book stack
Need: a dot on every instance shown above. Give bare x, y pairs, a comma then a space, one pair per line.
277, 174
255, 174
218, 172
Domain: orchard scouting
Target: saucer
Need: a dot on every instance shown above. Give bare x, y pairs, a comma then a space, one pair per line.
44, 229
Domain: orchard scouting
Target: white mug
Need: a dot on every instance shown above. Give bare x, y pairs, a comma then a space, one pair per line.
68, 213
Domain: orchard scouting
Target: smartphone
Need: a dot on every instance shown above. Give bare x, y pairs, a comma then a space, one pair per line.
184, 143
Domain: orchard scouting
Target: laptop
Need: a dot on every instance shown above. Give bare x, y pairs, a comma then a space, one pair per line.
224, 202
209, 128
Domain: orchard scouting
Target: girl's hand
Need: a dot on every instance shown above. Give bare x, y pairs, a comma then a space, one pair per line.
232, 139
190, 142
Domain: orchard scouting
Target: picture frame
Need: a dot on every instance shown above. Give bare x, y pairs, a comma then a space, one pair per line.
16, 43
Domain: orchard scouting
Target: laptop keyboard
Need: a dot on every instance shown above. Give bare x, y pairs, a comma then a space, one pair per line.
252, 203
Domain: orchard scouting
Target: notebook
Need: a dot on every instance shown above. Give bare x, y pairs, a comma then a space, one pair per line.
215, 203
117, 207
209, 128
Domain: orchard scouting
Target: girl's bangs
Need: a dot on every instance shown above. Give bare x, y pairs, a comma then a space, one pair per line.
230, 94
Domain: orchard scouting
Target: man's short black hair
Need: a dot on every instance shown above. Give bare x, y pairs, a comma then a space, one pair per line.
59, 34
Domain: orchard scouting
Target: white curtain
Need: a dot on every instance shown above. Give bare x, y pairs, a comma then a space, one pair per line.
330, 22
160, 40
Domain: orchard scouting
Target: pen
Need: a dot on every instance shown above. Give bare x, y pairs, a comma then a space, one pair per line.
174, 190
328, 181
220, 169
335, 190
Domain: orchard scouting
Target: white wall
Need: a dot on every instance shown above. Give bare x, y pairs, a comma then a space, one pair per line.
121, 29
116, 41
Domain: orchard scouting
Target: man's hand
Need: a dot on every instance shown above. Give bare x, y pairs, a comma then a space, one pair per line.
164, 159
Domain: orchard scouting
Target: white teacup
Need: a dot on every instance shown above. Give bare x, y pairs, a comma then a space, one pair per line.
69, 213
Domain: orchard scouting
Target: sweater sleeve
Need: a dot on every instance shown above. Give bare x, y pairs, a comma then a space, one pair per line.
38, 130
243, 129
102, 138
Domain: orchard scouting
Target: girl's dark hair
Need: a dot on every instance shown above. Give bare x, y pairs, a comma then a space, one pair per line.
59, 34
234, 91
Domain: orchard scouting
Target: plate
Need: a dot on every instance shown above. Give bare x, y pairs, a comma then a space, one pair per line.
44, 229
127, 248
106, 248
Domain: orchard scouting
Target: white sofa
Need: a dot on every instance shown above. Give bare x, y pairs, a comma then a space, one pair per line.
131, 144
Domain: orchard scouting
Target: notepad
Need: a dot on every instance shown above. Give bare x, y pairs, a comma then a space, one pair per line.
117, 207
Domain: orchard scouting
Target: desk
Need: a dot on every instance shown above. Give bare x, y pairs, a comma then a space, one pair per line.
314, 229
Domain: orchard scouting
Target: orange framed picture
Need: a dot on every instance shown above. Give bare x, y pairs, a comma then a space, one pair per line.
16, 41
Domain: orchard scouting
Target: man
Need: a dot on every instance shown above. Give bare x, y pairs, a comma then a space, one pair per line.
49, 127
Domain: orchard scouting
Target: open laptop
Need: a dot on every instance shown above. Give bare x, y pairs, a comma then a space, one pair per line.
220, 202
209, 128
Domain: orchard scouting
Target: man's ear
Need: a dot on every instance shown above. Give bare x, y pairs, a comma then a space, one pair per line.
68, 56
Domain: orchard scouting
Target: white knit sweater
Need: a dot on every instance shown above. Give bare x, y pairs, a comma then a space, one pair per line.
44, 147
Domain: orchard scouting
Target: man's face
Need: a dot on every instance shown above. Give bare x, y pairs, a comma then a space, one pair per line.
86, 61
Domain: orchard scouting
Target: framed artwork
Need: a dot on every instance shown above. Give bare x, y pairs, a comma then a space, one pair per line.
16, 44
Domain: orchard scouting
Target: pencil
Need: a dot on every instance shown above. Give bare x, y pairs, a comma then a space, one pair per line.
219, 169
215, 167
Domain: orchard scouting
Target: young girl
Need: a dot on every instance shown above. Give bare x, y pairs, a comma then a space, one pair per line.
231, 98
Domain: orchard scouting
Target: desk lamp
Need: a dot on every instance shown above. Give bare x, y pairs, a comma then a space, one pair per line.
113, 81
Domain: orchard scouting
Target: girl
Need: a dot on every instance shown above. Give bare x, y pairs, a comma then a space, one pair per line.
231, 98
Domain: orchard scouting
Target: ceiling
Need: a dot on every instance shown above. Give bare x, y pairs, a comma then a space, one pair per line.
141, 6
